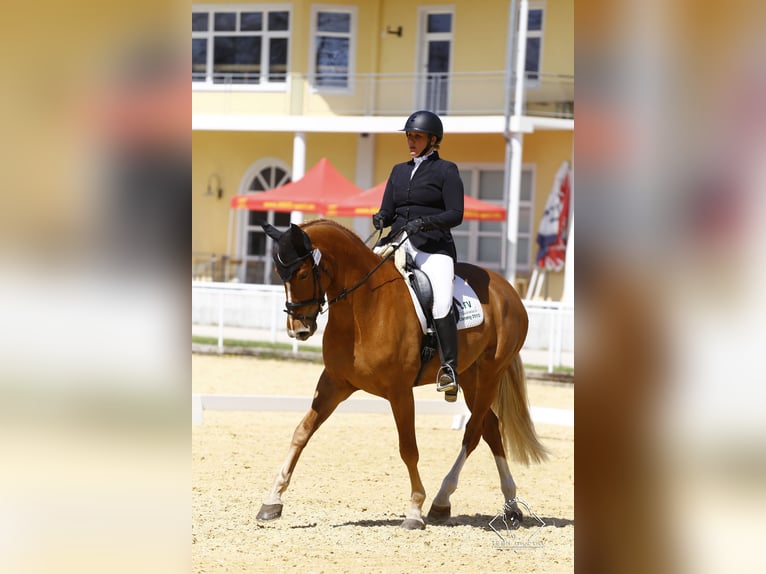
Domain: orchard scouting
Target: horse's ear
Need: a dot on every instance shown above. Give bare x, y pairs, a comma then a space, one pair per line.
270, 230
300, 240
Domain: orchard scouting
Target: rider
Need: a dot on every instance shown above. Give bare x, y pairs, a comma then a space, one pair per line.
424, 196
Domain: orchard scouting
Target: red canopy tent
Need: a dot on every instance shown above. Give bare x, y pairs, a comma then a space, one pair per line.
368, 202
321, 187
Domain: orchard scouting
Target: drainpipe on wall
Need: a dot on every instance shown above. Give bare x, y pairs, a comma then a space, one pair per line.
512, 135
299, 169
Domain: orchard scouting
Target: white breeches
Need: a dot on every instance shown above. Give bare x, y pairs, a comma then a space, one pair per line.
441, 272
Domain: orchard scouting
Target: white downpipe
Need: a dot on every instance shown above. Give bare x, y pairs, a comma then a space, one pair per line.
299, 169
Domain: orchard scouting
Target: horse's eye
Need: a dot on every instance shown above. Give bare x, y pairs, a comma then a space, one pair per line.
303, 275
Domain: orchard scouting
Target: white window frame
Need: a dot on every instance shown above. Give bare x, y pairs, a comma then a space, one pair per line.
264, 85
472, 226
419, 97
535, 83
351, 35
473, 232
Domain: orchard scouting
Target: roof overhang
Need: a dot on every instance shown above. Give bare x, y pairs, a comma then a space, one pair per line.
370, 124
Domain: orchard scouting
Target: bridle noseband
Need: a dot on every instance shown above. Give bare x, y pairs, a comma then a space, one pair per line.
319, 294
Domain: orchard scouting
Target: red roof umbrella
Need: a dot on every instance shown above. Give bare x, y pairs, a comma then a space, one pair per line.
368, 203
319, 188
360, 205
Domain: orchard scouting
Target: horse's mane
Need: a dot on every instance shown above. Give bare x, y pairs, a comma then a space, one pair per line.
332, 226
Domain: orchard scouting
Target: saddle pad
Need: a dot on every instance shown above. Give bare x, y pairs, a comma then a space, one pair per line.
470, 312
464, 299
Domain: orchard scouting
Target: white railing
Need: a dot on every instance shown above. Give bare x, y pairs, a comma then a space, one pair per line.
457, 93
256, 313
551, 329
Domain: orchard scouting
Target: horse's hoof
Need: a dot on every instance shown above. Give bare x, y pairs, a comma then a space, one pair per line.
513, 518
413, 524
269, 512
439, 514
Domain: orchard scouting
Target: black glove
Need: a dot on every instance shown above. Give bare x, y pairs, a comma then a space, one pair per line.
379, 220
414, 226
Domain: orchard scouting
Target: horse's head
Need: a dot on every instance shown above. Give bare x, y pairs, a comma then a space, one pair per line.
297, 263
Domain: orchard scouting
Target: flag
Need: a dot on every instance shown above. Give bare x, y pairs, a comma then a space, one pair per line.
552, 235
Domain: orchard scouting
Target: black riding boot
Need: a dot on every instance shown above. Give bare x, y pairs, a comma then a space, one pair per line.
446, 333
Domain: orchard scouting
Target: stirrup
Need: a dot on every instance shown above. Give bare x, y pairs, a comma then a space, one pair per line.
446, 381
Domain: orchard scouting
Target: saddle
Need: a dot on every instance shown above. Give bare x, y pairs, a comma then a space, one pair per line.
465, 303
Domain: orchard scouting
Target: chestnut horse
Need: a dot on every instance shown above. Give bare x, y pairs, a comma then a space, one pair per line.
372, 342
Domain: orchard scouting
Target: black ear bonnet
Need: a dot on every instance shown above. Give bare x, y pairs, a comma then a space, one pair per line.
292, 248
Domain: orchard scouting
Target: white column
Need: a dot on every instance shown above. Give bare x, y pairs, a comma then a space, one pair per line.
299, 168
512, 217
365, 159
516, 147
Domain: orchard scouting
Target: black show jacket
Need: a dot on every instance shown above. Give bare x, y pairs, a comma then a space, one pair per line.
435, 193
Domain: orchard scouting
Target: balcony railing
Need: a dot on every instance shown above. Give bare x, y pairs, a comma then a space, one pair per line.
459, 93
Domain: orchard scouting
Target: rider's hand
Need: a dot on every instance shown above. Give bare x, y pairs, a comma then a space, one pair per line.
378, 221
414, 226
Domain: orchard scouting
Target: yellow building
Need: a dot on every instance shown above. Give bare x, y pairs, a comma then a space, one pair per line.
278, 86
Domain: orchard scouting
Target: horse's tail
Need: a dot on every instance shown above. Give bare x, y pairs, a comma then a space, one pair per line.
512, 409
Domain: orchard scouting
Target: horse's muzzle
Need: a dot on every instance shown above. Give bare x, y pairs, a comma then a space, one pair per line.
300, 330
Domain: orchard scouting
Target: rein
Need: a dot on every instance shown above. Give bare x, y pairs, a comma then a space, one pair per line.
319, 294
346, 292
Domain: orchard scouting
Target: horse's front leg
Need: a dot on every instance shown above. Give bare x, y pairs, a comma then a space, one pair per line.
403, 407
329, 394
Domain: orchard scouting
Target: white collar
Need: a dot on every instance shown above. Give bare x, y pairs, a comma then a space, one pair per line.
421, 159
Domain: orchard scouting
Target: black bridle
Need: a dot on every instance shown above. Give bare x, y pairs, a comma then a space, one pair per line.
318, 298
319, 294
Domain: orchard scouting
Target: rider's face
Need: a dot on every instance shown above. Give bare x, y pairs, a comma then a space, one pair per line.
417, 142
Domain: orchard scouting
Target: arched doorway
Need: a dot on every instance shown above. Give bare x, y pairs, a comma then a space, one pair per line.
253, 245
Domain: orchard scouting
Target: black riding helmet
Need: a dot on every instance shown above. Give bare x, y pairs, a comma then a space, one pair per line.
426, 122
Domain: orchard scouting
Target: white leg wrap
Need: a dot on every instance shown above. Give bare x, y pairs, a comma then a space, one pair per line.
449, 484
507, 484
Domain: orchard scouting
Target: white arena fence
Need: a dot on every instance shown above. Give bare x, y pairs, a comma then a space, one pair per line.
248, 312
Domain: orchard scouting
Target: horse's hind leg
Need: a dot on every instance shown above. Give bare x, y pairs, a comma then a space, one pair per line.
490, 431
479, 405
491, 435
329, 394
